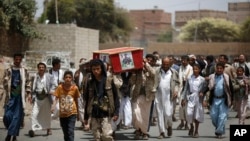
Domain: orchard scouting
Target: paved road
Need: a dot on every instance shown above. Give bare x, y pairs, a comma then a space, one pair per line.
206, 132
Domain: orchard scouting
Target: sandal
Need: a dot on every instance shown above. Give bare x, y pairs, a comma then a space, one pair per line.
170, 131
49, 132
145, 137
31, 133
8, 137
86, 128
191, 131
196, 135
161, 136
174, 119
137, 135
181, 125
218, 135
14, 138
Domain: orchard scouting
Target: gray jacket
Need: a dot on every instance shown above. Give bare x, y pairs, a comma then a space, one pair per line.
174, 82
50, 87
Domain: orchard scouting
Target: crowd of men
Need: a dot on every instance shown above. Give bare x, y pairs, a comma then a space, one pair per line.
135, 99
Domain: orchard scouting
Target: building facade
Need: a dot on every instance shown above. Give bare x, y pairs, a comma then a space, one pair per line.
148, 25
182, 17
238, 12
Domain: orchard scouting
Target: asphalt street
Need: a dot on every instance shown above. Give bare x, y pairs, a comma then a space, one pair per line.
206, 132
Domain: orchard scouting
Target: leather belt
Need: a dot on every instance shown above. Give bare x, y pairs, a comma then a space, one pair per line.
41, 96
219, 96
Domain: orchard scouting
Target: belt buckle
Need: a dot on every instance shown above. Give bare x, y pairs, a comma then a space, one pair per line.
219, 96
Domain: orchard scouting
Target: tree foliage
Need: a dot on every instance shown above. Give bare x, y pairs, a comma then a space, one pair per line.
66, 11
245, 30
210, 30
166, 37
16, 16
102, 15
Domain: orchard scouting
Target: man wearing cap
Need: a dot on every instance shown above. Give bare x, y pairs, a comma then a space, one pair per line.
43, 87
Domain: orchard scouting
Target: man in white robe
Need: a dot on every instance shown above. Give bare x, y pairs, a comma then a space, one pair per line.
167, 91
185, 72
125, 106
43, 88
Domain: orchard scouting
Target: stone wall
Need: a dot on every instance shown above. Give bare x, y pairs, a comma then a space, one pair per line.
81, 42
11, 43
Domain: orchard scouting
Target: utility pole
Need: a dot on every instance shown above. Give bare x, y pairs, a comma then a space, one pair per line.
196, 27
56, 10
154, 24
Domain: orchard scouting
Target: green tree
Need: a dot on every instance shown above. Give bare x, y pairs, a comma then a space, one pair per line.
102, 15
16, 16
166, 37
121, 27
245, 30
66, 11
210, 30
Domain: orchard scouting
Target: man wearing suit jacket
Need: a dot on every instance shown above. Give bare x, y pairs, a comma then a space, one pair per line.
220, 98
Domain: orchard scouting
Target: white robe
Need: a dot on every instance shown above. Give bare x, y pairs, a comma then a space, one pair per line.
81, 102
164, 106
40, 118
125, 113
184, 74
194, 105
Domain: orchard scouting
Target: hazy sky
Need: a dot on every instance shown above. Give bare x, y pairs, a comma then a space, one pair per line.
166, 5
174, 5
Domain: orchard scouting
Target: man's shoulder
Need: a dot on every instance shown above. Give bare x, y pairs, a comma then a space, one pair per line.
74, 87
61, 71
48, 75
228, 65
212, 75
21, 67
202, 78
226, 76
176, 66
247, 64
2, 66
174, 72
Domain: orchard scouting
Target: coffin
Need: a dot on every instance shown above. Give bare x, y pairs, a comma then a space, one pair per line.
121, 59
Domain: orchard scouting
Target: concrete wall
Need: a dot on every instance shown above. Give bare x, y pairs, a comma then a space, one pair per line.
79, 41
